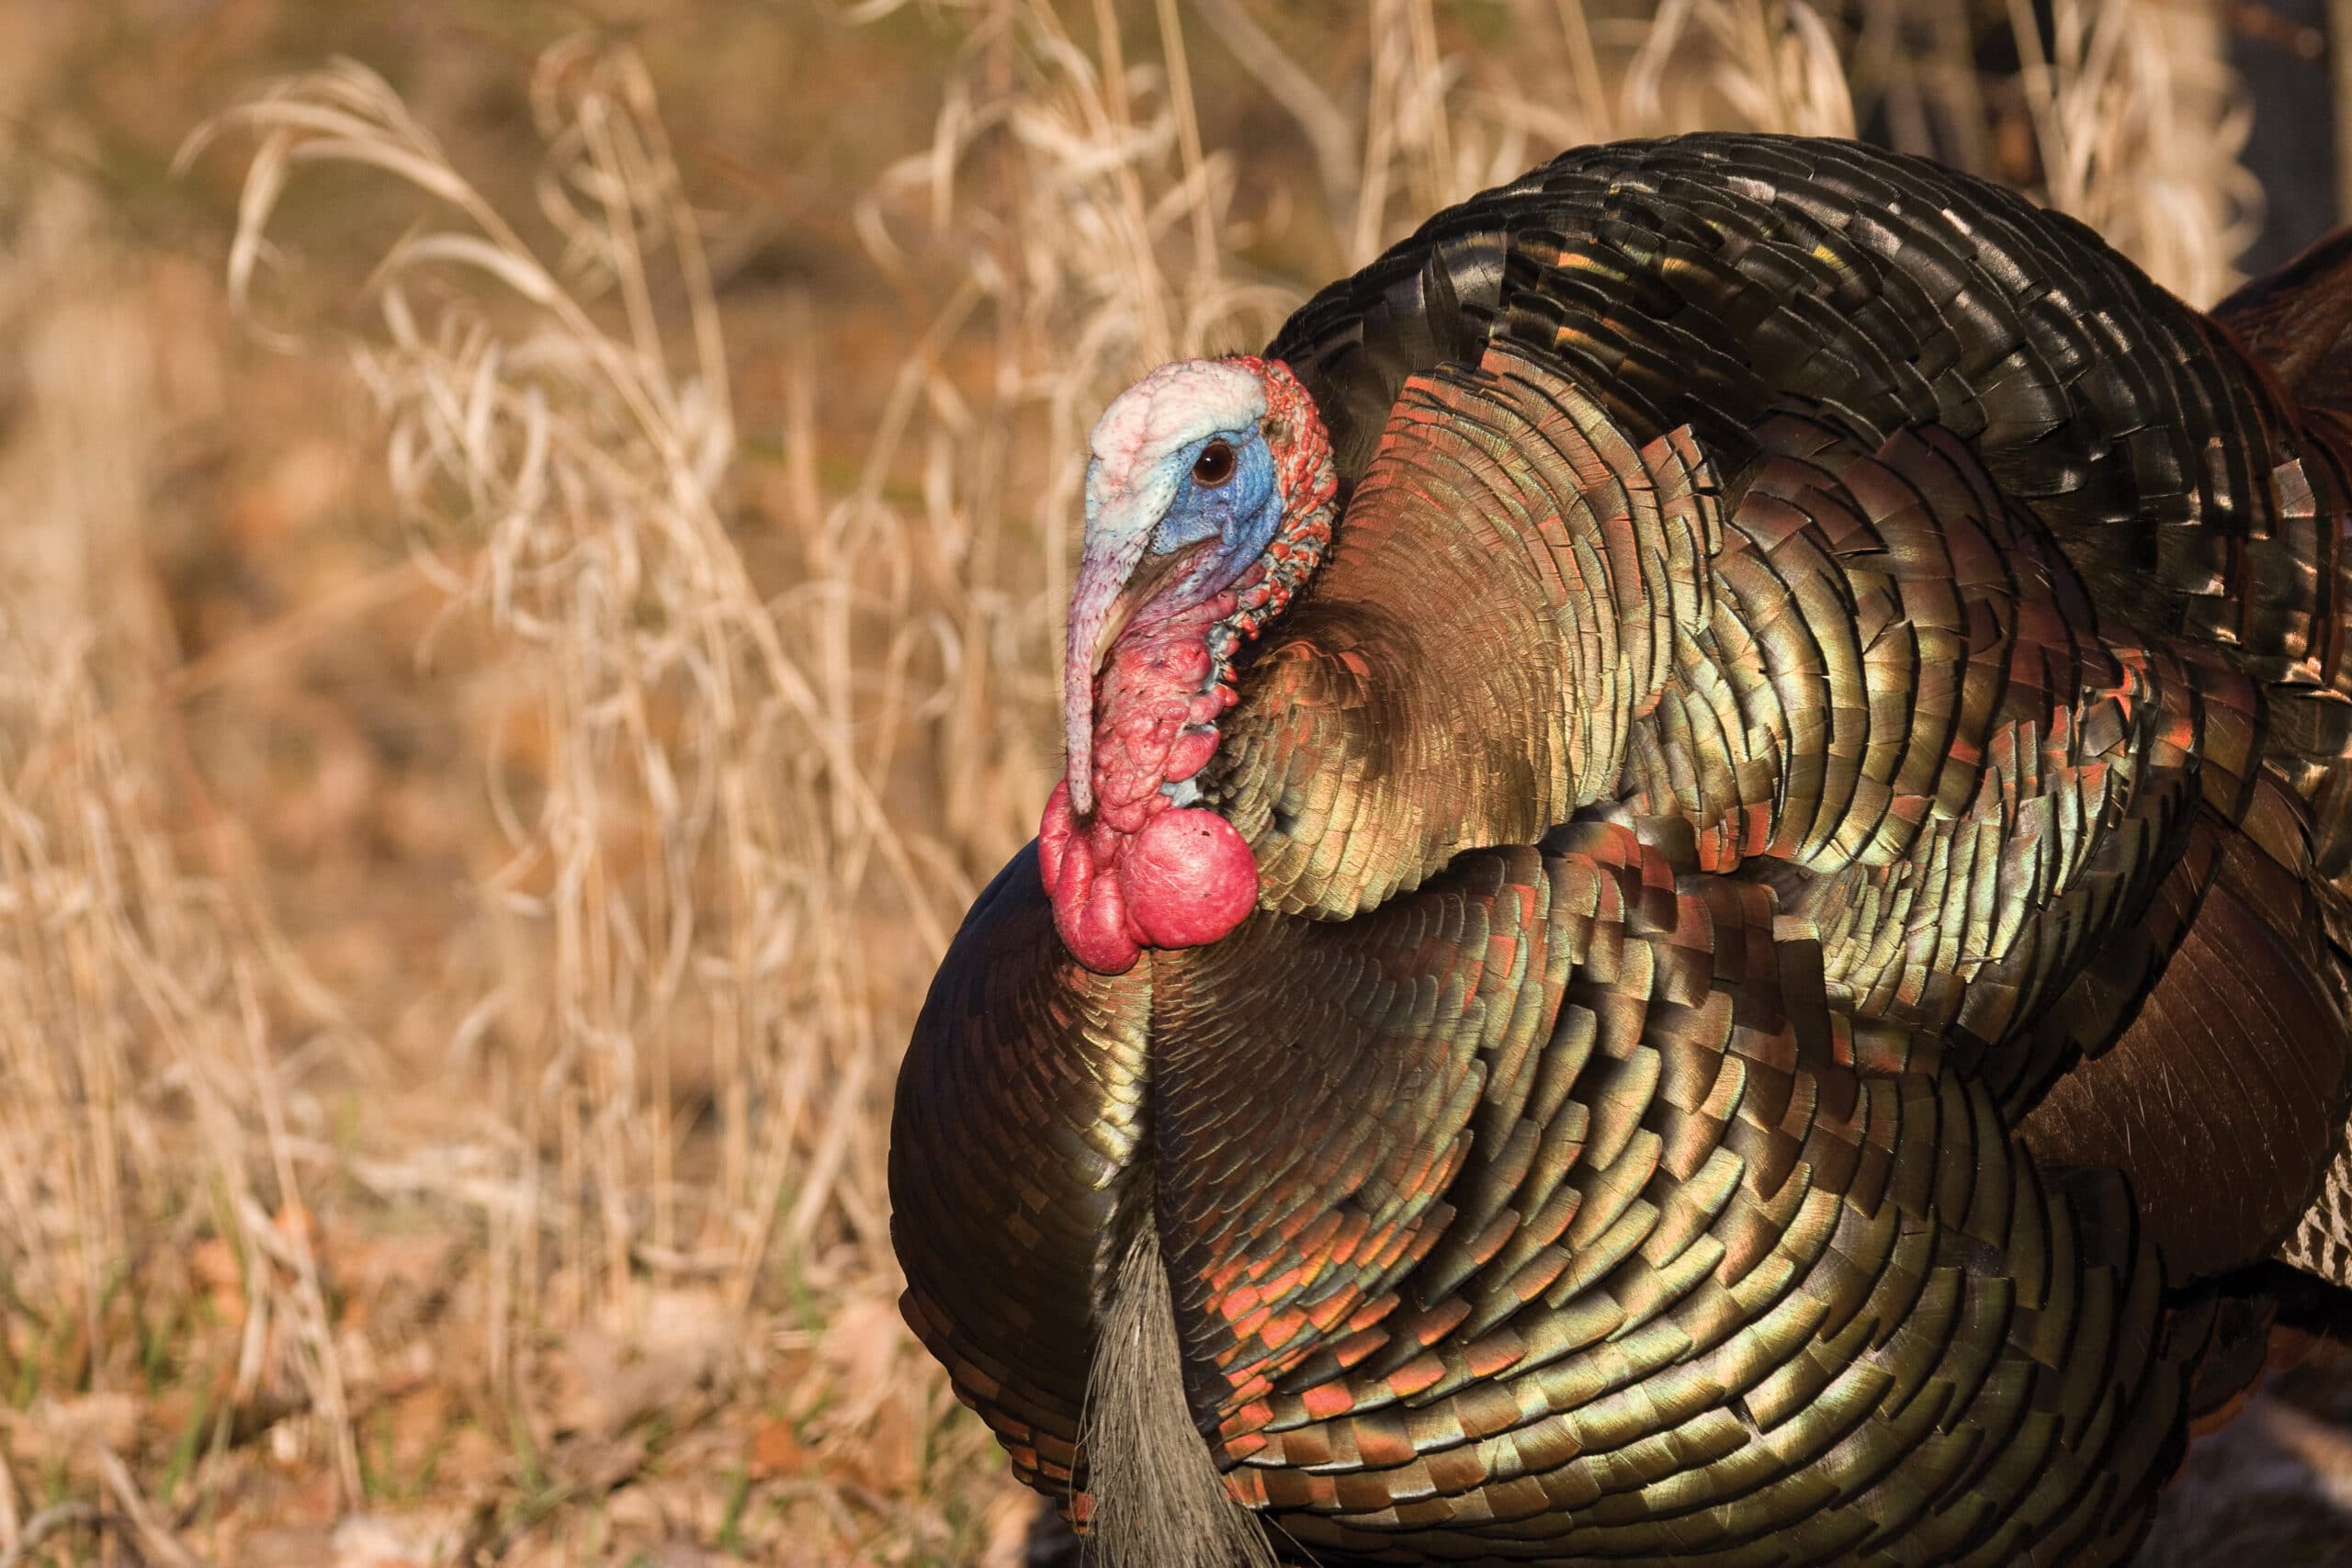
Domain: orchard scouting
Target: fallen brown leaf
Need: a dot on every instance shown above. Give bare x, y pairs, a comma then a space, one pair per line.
775, 1450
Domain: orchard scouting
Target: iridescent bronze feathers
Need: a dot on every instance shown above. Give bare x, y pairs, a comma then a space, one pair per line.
1802, 824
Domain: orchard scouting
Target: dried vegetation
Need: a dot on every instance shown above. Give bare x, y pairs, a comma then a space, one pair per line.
514, 653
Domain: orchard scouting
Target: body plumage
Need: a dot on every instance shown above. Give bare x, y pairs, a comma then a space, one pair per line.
1787, 714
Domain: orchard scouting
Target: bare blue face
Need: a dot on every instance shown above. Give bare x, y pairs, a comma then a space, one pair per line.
1225, 490
1179, 460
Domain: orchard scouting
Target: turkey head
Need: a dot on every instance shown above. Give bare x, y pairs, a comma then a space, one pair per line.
1208, 501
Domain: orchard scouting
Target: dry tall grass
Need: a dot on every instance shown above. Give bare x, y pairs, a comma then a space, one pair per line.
563, 1237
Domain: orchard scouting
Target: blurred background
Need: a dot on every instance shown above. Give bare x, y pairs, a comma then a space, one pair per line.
535, 541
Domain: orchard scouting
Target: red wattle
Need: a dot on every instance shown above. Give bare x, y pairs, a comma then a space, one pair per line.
1090, 909
1188, 878
1190, 752
1096, 930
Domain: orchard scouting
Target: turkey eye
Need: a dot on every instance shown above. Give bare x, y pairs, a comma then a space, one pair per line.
1213, 466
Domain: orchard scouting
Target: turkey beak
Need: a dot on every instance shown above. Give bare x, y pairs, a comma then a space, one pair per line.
1099, 607
1112, 586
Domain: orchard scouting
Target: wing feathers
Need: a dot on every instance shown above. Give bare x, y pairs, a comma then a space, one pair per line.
2225, 1099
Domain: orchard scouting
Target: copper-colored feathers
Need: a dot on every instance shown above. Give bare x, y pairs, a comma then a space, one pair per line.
1804, 825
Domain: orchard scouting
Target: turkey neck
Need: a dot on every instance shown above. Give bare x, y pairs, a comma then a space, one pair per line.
1503, 602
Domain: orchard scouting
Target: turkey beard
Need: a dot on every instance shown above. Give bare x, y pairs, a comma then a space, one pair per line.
1158, 1501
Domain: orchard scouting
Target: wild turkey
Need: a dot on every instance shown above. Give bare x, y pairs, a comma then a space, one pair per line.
1699, 914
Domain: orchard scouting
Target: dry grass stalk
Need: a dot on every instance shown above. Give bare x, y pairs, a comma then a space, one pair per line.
144, 1104
133, 1017
1765, 64
2140, 123
691, 806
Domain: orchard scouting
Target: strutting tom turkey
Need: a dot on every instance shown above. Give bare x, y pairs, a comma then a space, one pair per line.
1699, 914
